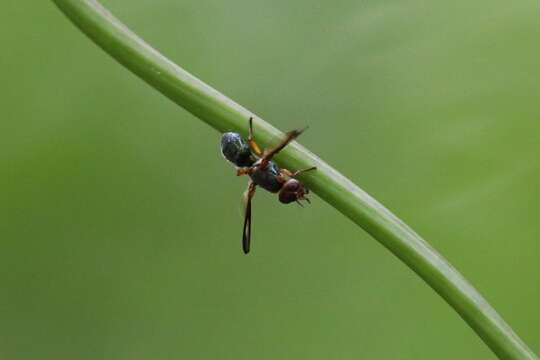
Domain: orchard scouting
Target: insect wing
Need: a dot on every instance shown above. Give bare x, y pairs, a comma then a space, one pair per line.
246, 233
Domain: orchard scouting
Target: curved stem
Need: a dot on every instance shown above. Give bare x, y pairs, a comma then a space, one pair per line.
225, 115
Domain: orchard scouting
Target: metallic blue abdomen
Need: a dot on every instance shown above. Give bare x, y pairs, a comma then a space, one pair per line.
236, 150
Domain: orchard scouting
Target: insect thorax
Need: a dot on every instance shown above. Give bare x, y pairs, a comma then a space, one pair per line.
268, 178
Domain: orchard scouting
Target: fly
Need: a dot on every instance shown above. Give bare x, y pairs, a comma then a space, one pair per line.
250, 160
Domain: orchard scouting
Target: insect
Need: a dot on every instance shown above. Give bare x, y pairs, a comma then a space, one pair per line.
250, 160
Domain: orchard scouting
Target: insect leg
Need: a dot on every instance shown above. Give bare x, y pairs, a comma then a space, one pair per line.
269, 154
286, 172
298, 172
252, 144
245, 170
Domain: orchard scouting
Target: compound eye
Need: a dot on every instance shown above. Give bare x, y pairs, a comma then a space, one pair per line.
292, 185
287, 197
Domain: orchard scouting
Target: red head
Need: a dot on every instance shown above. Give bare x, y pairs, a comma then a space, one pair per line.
293, 190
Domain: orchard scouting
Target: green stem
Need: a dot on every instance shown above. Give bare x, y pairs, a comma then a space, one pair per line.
225, 115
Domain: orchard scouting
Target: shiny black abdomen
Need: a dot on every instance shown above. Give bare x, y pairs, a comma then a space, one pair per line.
236, 150
268, 178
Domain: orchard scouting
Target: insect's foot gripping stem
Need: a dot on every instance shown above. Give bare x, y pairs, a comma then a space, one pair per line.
296, 133
298, 172
251, 141
294, 174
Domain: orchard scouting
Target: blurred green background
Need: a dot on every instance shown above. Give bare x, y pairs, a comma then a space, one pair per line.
121, 227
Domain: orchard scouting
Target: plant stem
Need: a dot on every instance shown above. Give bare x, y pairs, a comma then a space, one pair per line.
224, 114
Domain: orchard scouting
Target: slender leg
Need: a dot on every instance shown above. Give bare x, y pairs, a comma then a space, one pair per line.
245, 170
269, 154
298, 172
252, 144
286, 172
